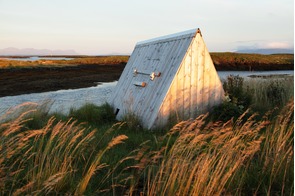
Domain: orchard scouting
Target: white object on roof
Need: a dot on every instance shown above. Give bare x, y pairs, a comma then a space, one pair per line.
179, 76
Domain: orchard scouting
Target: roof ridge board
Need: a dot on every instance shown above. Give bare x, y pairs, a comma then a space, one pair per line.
179, 35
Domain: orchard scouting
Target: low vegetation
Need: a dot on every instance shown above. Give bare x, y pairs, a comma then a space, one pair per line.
87, 152
242, 157
222, 61
256, 95
252, 62
79, 60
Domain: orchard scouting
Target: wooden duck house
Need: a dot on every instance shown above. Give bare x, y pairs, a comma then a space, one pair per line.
168, 76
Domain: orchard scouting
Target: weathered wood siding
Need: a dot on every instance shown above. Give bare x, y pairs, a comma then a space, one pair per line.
195, 89
188, 84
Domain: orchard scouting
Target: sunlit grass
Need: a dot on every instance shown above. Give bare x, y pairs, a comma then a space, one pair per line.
270, 93
88, 152
97, 60
59, 157
252, 62
221, 60
256, 95
245, 157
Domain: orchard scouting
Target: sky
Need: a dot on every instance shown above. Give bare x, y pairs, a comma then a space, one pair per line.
99, 27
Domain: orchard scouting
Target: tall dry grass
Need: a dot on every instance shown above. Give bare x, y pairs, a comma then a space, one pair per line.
269, 93
59, 158
277, 155
196, 157
258, 95
245, 157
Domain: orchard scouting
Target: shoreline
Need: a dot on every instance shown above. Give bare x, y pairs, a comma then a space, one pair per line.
23, 77
45, 79
18, 81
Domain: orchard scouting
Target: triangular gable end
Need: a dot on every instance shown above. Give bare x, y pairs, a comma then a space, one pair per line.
195, 89
168, 75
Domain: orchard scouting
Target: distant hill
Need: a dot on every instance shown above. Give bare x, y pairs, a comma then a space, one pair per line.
267, 51
34, 52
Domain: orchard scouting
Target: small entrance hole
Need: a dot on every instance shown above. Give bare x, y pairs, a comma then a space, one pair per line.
117, 111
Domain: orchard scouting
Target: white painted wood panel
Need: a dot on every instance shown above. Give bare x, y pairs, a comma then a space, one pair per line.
184, 88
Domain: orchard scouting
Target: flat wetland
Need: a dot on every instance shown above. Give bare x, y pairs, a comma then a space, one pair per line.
244, 146
42, 75
22, 77
17, 81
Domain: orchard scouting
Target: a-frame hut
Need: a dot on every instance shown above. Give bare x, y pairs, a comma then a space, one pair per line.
168, 76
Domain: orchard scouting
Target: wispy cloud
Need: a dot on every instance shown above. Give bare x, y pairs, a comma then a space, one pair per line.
263, 44
277, 45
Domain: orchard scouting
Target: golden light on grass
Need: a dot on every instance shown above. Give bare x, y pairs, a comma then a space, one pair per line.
209, 160
43, 160
196, 157
96, 164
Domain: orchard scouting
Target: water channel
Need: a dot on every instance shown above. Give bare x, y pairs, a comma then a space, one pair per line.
63, 100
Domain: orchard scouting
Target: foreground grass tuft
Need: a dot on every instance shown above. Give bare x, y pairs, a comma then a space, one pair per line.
232, 158
258, 95
57, 158
89, 153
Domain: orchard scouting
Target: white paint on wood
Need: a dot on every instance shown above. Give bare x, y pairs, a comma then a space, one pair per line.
185, 83
167, 37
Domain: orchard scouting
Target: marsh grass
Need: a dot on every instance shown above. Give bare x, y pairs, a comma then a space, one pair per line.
86, 60
268, 94
48, 160
258, 95
276, 157
89, 153
222, 61
235, 158
250, 62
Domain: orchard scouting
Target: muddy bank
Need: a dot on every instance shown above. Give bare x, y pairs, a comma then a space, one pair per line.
17, 81
225, 66
36, 79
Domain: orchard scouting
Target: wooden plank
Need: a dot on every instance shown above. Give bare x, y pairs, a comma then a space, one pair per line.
194, 81
206, 76
200, 77
180, 91
187, 84
173, 98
